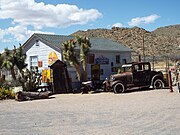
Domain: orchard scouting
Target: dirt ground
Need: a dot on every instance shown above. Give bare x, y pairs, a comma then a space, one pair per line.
150, 112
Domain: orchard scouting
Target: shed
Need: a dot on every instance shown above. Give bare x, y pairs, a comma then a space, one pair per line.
61, 82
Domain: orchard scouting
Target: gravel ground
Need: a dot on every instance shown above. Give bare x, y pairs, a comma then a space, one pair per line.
152, 112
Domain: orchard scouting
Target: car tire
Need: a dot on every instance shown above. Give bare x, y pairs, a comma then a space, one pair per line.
158, 84
119, 88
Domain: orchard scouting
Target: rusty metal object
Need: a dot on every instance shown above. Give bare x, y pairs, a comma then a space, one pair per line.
137, 74
170, 81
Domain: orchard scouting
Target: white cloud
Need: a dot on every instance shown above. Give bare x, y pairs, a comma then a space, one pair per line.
25, 13
38, 15
117, 25
19, 32
143, 20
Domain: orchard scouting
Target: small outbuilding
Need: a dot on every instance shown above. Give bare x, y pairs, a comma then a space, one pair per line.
60, 77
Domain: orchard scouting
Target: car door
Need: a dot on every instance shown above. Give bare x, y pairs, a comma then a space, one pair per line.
146, 74
138, 74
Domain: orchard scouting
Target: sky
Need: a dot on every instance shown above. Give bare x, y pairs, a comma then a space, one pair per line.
19, 19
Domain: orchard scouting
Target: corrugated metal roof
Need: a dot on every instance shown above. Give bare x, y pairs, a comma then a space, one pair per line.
96, 43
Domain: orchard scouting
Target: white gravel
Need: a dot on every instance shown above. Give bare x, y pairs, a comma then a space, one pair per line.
153, 112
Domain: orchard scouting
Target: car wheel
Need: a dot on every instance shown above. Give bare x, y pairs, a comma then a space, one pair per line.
158, 84
119, 88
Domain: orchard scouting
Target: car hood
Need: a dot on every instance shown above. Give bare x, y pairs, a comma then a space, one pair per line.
121, 75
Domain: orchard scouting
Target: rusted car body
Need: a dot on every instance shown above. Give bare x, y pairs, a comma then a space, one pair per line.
137, 74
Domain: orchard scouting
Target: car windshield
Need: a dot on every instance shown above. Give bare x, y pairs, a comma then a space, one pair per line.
127, 68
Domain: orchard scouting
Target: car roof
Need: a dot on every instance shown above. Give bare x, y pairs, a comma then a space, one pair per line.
127, 65
134, 63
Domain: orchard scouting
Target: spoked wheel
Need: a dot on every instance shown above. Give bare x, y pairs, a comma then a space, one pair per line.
158, 84
119, 88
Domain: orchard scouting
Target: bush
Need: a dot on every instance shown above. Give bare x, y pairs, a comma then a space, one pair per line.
5, 85
6, 94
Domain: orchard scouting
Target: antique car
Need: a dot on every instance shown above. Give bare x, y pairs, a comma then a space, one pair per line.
136, 75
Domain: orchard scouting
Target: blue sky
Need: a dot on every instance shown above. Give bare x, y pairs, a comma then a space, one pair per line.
19, 19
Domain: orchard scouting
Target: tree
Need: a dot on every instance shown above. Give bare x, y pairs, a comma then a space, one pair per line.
85, 46
78, 61
19, 58
13, 60
8, 62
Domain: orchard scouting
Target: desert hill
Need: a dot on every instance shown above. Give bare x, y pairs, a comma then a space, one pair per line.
162, 42
172, 30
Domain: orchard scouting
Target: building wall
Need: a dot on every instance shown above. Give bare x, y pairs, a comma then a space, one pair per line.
42, 51
107, 68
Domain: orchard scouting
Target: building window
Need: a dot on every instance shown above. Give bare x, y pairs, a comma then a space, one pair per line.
37, 42
91, 58
33, 61
124, 61
118, 59
112, 64
102, 72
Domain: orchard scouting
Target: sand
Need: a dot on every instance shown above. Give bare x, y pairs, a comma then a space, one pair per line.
151, 112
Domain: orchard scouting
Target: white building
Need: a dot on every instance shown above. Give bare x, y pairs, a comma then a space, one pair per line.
105, 55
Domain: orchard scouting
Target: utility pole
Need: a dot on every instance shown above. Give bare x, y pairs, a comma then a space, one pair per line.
143, 48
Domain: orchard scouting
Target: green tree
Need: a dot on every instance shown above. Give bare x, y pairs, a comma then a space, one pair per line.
85, 46
19, 58
78, 61
8, 62
14, 60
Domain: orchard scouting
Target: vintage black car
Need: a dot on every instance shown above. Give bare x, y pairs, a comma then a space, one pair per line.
137, 74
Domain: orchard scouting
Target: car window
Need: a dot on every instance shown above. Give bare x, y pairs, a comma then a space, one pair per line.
127, 69
146, 67
138, 67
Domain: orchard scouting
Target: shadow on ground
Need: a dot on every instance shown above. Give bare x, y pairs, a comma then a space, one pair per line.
127, 91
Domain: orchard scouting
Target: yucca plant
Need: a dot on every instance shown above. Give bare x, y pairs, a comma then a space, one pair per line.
6, 94
78, 61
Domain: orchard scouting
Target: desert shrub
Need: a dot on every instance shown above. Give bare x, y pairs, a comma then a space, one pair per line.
5, 85
28, 80
6, 93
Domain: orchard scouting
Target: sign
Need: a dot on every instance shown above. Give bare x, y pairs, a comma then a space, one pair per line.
52, 57
40, 63
95, 72
102, 60
46, 75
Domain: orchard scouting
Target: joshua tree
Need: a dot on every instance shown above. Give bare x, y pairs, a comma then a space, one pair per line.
8, 62
70, 55
19, 58
85, 46
13, 59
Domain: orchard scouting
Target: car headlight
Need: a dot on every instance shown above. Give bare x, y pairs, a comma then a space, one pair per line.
112, 78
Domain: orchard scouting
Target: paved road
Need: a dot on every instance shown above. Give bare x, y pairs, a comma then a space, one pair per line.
153, 112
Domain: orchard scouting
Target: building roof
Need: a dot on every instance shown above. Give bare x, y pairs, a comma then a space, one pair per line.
96, 43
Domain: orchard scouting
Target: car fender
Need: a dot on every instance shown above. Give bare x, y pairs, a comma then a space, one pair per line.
118, 81
156, 77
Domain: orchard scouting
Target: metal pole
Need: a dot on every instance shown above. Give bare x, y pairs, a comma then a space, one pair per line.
143, 48
170, 81
153, 62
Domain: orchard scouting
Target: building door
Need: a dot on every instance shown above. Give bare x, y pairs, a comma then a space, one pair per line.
61, 81
95, 72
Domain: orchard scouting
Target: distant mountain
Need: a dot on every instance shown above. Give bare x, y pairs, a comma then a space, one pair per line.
161, 42
172, 30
